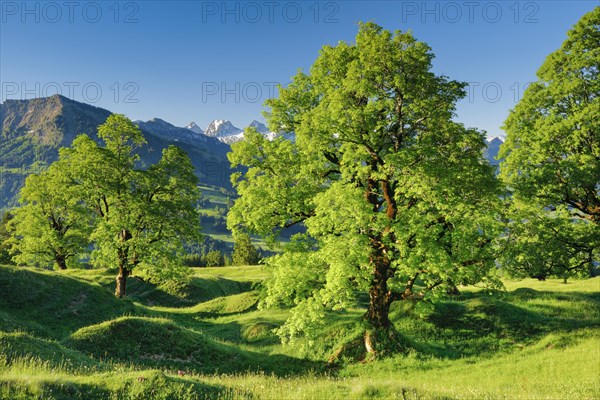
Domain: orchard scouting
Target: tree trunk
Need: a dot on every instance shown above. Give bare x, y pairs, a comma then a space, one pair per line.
124, 272
121, 289
61, 262
377, 316
379, 305
451, 289
380, 332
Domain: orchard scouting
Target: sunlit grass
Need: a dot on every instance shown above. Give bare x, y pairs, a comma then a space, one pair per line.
536, 340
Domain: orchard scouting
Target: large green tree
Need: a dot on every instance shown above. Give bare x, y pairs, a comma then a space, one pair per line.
52, 226
552, 160
144, 216
396, 197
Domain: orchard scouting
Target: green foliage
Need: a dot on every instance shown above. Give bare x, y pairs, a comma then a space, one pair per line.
93, 193
542, 244
552, 161
5, 257
391, 190
53, 225
193, 260
244, 252
214, 258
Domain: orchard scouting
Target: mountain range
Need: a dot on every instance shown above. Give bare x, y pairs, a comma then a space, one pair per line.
226, 132
33, 130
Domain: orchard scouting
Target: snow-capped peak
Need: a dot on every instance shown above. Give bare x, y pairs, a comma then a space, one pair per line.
259, 126
194, 128
497, 139
221, 128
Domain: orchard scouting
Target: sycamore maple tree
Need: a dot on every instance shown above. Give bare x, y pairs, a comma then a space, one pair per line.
94, 197
143, 216
53, 225
552, 162
396, 198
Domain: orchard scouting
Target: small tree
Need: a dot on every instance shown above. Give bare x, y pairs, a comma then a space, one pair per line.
244, 252
53, 225
552, 161
214, 258
144, 216
5, 257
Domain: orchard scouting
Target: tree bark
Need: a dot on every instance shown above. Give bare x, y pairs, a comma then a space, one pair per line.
124, 272
60, 261
121, 279
379, 302
377, 315
380, 296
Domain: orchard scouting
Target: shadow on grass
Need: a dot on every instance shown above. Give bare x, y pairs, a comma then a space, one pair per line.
476, 324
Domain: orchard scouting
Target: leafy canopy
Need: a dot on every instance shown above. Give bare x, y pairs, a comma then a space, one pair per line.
395, 196
52, 226
143, 216
95, 194
552, 159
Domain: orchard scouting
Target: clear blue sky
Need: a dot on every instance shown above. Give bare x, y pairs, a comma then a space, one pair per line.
197, 61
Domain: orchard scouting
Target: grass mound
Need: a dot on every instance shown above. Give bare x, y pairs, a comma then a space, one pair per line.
22, 346
260, 332
53, 305
184, 294
149, 341
158, 342
228, 305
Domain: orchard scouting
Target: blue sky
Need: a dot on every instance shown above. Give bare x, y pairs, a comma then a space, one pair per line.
197, 61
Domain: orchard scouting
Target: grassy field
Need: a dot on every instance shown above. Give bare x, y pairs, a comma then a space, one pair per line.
64, 336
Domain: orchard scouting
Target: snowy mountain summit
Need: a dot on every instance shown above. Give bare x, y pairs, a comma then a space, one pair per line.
221, 128
496, 139
259, 126
226, 132
194, 128
493, 147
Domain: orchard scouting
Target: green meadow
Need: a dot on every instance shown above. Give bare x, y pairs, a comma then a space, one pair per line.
63, 335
